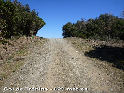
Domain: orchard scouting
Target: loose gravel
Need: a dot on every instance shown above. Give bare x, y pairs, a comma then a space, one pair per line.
57, 67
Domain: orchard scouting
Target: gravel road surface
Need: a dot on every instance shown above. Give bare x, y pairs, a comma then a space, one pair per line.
57, 67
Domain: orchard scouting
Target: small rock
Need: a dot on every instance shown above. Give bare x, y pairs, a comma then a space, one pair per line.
1, 78
111, 89
86, 88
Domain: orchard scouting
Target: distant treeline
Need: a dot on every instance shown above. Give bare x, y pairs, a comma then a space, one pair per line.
17, 19
105, 27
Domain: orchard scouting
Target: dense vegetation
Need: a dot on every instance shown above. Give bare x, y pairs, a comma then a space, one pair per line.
17, 19
105, 27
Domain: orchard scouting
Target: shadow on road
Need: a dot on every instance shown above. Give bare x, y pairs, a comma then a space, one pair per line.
110, 54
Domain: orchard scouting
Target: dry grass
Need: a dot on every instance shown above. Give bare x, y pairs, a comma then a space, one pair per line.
8, 68
108, 56
13, 53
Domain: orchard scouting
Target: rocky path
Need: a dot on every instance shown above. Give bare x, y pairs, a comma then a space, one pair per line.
57, 67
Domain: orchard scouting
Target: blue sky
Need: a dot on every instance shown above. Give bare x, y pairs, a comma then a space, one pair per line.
56, 13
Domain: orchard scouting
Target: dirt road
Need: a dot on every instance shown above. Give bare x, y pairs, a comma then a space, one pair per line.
57, 67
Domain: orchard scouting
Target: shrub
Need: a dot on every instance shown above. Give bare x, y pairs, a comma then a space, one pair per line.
106, 26
17, 19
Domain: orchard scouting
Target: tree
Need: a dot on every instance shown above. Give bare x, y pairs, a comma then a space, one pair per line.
68, 30
17, 19
106, 26
27, 8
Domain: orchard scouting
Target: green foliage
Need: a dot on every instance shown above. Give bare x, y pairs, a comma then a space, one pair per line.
17, 19
106, 26
68, 30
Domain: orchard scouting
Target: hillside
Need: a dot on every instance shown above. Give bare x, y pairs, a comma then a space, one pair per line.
13, 52
63, 66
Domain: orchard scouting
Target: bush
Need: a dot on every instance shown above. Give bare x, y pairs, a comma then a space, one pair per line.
106, 26
17, 19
